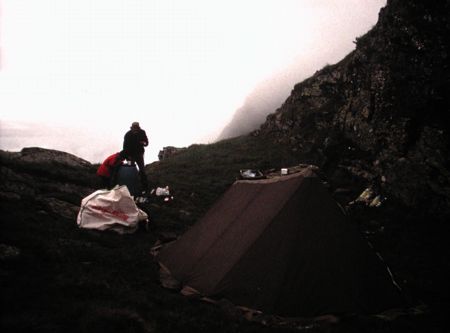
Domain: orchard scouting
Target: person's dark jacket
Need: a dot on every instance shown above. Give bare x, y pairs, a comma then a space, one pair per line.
134, 142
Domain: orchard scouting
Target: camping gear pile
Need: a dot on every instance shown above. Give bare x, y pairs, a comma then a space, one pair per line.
162, 194
251, 174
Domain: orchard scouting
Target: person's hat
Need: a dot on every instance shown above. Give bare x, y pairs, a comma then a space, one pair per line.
135, 125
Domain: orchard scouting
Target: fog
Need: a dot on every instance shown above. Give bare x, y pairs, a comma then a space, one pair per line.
272, 92
74, 75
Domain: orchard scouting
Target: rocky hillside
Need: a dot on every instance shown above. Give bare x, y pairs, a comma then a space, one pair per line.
379, 115
55, 277
54, 179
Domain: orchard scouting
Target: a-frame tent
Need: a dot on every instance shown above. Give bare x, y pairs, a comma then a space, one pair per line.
281, 246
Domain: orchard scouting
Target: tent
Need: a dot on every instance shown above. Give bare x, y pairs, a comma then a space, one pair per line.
281, 246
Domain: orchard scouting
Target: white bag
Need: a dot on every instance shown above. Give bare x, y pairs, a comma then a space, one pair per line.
110, 210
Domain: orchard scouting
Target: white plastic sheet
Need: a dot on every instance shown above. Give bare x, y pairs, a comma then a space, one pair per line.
110, 210
162, 191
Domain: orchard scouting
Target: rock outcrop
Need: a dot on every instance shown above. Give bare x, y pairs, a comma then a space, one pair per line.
56, 180
379, 115
169, 151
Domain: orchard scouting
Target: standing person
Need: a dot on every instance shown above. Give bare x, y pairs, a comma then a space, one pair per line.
134, 142
107, 171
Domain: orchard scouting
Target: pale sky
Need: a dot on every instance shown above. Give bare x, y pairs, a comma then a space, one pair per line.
77, 73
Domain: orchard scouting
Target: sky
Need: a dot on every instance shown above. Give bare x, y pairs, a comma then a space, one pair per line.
74, 75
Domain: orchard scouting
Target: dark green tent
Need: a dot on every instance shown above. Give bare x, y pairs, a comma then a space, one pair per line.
282, 246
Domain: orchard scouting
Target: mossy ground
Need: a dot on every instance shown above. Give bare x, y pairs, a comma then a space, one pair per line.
66, 279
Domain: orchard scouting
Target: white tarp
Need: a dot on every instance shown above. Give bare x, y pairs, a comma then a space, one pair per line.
110, 210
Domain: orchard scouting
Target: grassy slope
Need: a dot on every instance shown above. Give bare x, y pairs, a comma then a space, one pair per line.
198, 175
71, 280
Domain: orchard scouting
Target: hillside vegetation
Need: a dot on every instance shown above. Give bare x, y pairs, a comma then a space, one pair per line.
56, 277
198, 175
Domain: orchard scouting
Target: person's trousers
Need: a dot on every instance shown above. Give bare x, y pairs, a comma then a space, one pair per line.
139, 160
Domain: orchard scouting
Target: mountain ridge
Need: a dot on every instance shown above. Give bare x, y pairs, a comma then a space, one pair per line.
379, 114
